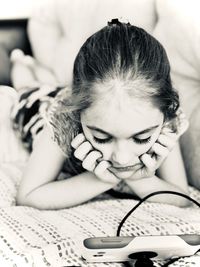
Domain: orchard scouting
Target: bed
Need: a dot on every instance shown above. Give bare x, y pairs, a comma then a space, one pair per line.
32, 237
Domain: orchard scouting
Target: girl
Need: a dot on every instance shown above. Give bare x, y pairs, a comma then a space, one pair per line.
116, 127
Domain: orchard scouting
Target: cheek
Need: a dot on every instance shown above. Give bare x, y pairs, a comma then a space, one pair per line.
141, 149
106, 149
103, 148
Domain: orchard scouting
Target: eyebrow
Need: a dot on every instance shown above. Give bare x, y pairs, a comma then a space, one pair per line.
138, 133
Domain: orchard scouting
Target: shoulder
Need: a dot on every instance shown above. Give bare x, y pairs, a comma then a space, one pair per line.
45, 142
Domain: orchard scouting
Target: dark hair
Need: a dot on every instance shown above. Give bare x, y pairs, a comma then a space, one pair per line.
126, 52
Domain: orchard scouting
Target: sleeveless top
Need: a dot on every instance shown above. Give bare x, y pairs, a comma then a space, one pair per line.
62, 133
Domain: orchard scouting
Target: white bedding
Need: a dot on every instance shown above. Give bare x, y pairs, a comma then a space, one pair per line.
31, 237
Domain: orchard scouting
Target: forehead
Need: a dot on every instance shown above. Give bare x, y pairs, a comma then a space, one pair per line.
122, 117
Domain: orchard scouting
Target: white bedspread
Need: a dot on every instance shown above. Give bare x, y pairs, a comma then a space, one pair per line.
32, 237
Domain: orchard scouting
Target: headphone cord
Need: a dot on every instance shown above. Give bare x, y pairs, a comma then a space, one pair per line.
148, 196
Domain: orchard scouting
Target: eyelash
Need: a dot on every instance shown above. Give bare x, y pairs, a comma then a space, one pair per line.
102, 141
108, 140
142, 141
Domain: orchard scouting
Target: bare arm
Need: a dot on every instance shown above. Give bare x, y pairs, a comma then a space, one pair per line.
171, 176
38, 187
173, 171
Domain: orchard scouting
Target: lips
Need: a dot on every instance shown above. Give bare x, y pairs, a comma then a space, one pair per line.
124, 169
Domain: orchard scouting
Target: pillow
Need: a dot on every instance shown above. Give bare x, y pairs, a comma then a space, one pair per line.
178, 29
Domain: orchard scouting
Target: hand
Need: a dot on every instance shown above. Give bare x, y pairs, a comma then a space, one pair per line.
92, 159
153, 158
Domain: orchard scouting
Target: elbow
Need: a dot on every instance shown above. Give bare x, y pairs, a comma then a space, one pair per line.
174, 200
32, 200
25, 199
183, 203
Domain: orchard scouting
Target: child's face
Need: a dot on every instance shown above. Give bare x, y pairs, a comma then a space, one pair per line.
122, 130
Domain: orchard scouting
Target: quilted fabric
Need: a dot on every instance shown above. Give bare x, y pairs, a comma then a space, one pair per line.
31, 237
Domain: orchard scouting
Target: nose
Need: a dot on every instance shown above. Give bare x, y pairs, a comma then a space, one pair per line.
122, 155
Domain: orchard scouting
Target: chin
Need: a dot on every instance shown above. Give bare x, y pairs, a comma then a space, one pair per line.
124, 175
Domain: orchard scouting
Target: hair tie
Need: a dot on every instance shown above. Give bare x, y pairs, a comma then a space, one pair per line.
116, 21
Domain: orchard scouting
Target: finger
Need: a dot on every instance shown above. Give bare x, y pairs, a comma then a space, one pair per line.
103, 173
148, 161
166, 141
101, 167
160, 150
78, 140
82, 151
90, 162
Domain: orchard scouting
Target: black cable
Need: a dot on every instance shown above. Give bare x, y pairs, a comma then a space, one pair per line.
148, 196
122, 195
128, 264
145, 198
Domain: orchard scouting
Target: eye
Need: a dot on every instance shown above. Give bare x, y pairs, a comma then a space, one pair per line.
102, 141
142, 141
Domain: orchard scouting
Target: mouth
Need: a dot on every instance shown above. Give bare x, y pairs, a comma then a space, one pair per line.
125, 169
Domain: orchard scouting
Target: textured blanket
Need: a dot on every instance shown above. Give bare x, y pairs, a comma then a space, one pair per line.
31, 237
